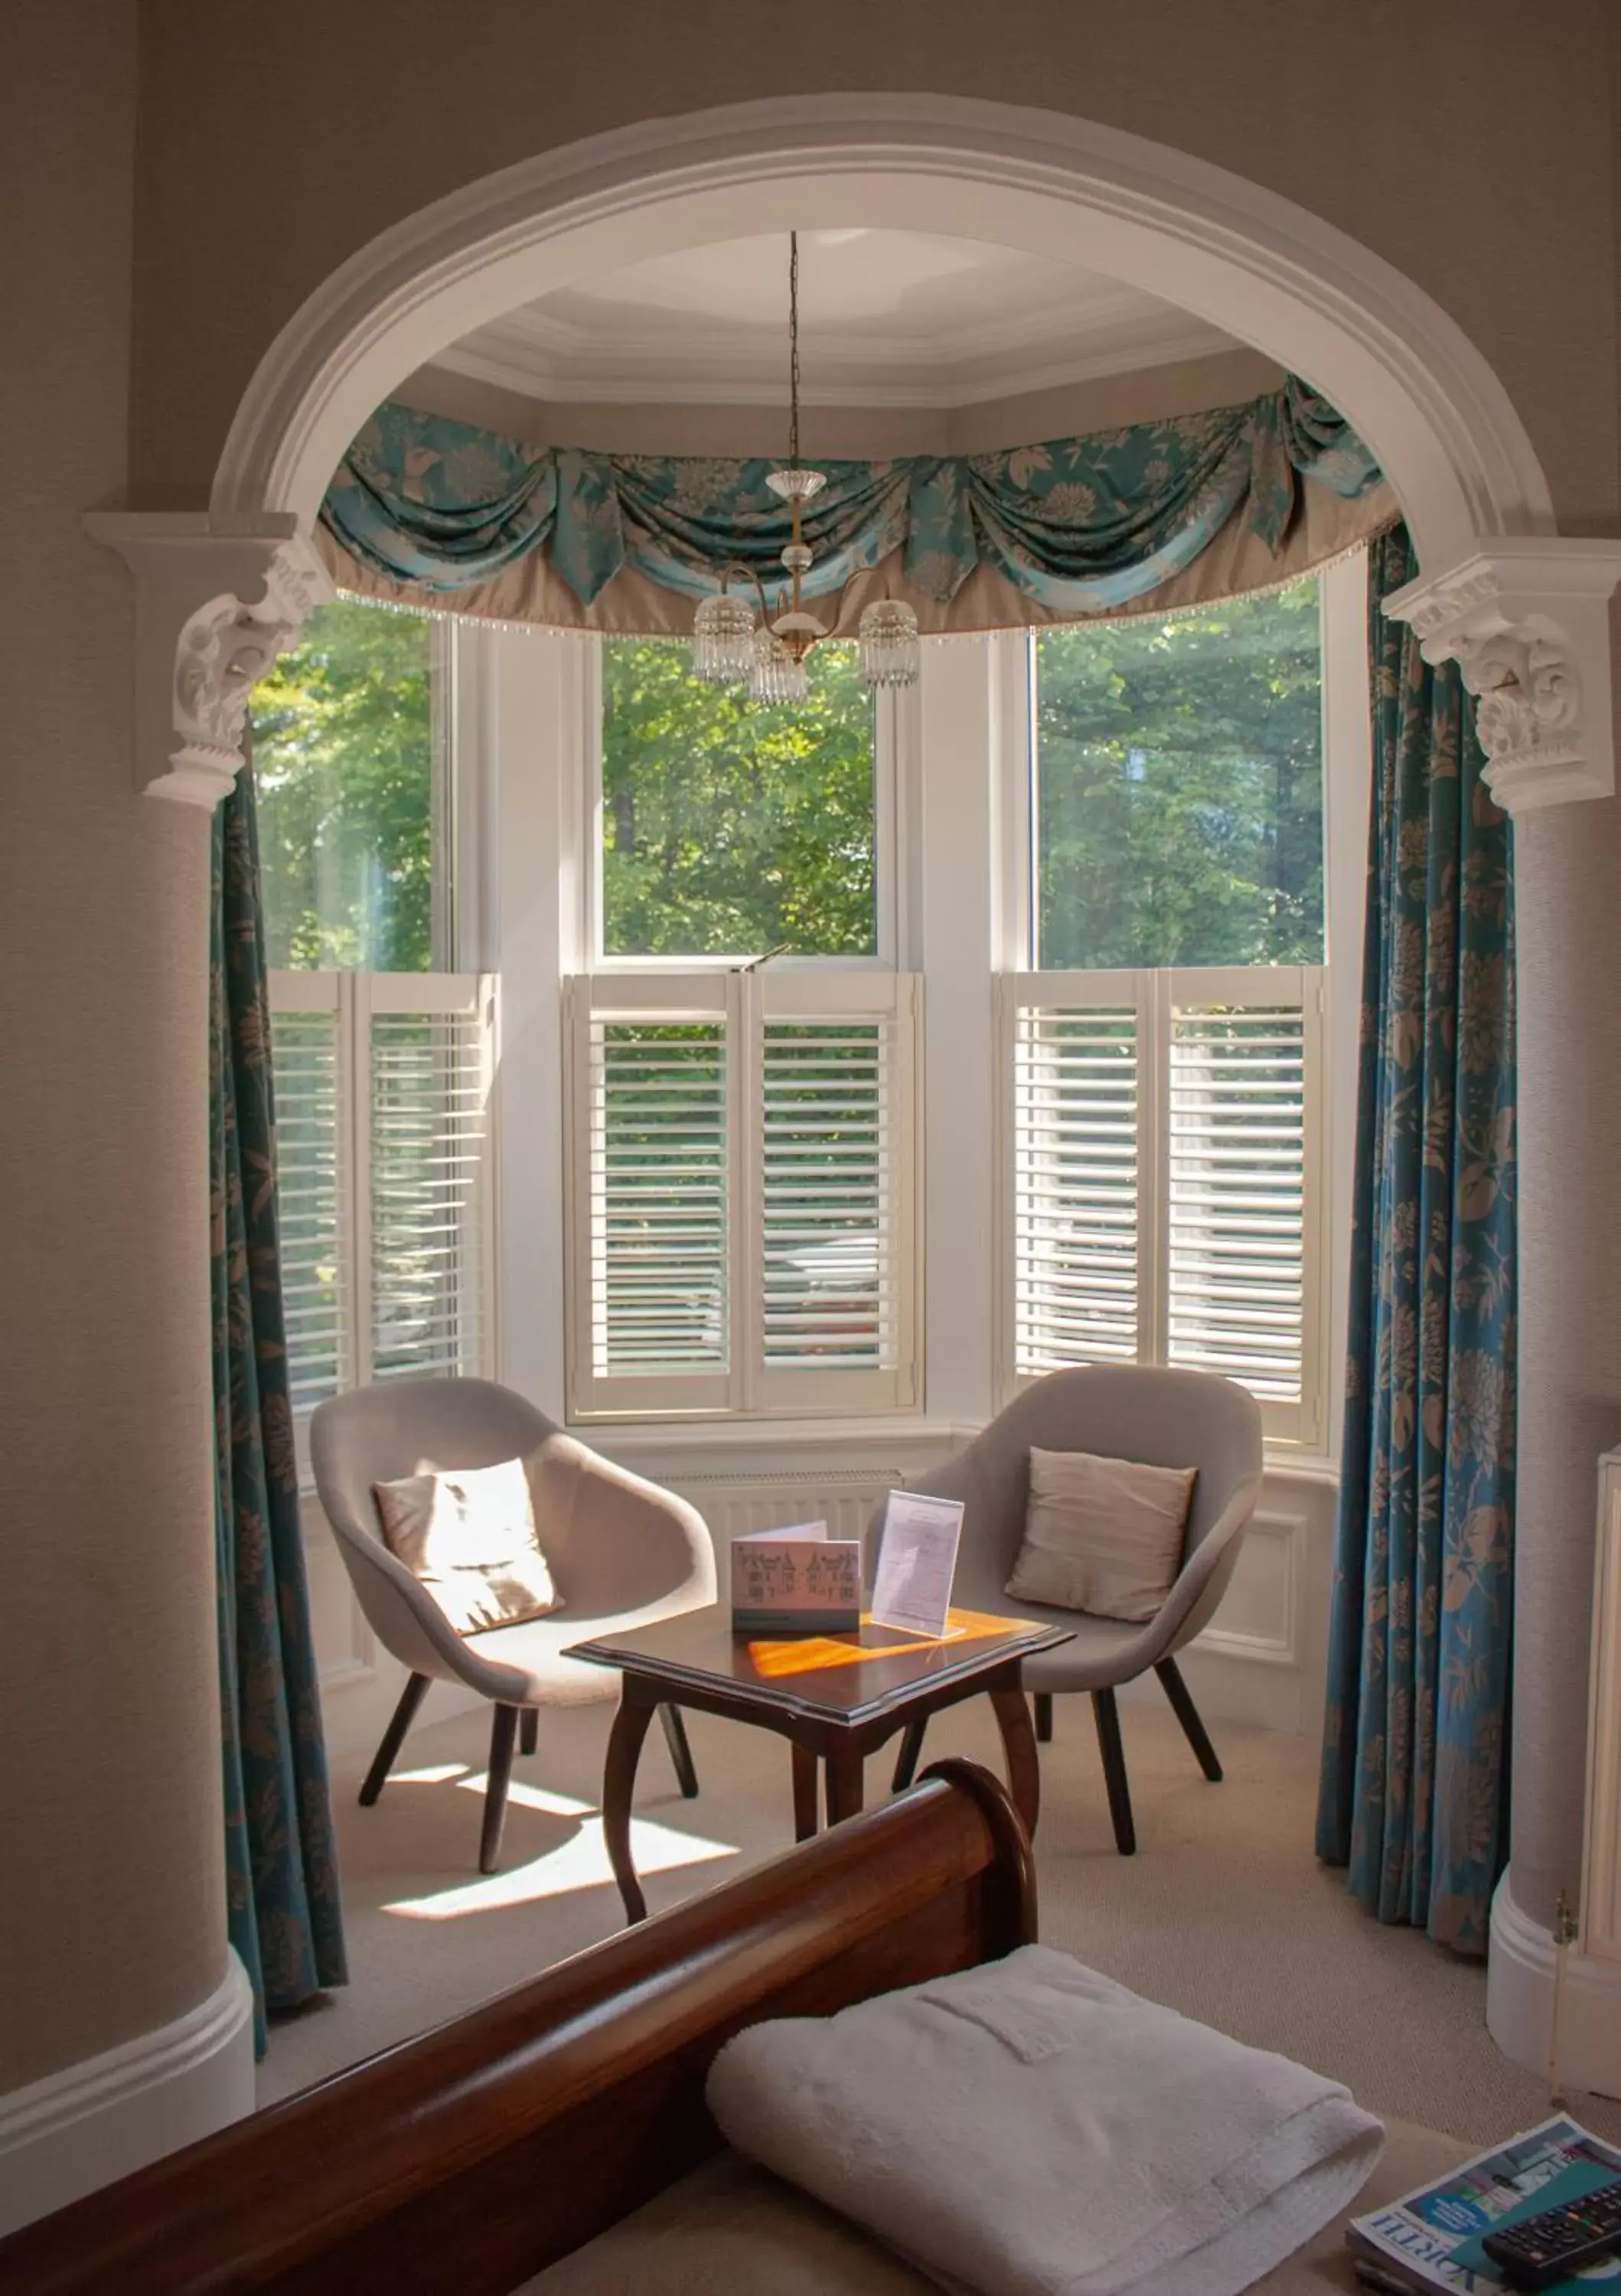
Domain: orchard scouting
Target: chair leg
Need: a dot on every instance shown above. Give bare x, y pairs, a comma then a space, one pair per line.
394, 1738
1108, 1717
1043, 1716
503, 1730
1187, 1714
681, 1753
529, 1730
911, 1754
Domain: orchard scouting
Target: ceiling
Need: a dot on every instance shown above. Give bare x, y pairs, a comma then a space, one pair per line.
887, 318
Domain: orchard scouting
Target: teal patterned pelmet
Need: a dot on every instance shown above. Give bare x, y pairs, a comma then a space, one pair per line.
1079, 525
1415, 1787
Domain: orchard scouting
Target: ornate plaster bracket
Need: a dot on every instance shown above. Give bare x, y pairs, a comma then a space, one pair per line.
1527, 618
216, 600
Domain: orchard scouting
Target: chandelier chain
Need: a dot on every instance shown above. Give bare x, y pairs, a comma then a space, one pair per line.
729, 646
793, 349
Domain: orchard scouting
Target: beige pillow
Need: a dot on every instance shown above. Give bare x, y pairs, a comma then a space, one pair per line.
1101, 1535
469, 1535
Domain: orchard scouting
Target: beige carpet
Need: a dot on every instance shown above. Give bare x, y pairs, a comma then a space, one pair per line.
1224, 1913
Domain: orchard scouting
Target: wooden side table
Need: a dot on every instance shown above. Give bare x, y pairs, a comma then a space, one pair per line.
833, 1697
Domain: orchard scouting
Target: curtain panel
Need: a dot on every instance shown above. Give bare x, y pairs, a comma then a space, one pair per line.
430, 511
1414, 1782
281, 1862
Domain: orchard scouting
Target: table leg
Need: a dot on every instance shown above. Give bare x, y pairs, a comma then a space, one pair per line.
805, 1815
846, 1782
619, 1783
1013, 1712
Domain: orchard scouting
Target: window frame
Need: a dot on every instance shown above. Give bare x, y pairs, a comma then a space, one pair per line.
1334, 986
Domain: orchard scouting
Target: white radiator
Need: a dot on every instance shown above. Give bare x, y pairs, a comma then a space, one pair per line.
731, 1505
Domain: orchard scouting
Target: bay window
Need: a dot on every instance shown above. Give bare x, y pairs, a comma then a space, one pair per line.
1081, 872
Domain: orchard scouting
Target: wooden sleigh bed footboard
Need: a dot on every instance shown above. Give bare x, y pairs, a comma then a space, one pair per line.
464, 2161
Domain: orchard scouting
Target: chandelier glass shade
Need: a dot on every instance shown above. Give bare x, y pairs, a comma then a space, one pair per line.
731, 646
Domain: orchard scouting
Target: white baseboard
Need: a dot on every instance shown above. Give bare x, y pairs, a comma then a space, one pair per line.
1520, 2001
102, 2119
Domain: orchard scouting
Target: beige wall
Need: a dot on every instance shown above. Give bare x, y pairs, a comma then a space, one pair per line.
1466, 141
111, 1911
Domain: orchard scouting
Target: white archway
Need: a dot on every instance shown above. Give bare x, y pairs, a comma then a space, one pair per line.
1524, 612
1386, 354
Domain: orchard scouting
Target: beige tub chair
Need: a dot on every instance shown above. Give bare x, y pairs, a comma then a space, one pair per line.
1163, 1419
622, 1552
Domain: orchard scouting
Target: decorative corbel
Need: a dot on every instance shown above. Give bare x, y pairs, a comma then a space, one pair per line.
1527, 620
216, 600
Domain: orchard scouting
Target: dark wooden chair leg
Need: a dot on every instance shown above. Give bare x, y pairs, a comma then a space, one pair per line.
1043, 1716
1192, 1729
503, 1731
911, 1754
393, 1738
1108, 1717
681, 1753
529, 1730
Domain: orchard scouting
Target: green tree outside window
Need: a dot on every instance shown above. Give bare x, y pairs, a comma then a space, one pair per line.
1179, 787
343, 757
729, 829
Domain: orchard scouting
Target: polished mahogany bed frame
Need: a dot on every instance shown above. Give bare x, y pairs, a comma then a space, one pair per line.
459, 2164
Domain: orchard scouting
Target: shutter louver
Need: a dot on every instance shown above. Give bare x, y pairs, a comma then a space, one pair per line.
429, 1189
1076, 1151
1236, 1232
659, 1173
828, 1187
310, 1201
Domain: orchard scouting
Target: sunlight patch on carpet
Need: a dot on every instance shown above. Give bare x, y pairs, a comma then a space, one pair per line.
578, 1862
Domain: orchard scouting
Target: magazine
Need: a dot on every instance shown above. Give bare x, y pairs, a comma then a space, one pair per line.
1431, 2239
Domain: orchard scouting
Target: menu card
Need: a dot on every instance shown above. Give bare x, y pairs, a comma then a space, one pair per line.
917, 1562
796, 1581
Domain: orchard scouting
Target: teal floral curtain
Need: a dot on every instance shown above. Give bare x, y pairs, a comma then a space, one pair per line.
280, 1866
1414, 1786
1080, 525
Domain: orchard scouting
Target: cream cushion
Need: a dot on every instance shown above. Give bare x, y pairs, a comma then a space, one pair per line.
469, 1535
1101, 1535
731, 2229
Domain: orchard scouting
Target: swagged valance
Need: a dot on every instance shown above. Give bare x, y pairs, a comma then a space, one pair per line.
427, 511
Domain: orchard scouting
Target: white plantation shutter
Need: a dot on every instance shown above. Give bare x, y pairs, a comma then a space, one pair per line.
739, 1191
1237, 1219
1075, 1150
652, 1167
834, 1155
384, 1132
310, 1120
1161, 1163
430, 1069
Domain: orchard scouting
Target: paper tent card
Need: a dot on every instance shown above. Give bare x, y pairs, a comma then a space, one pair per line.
797, 1580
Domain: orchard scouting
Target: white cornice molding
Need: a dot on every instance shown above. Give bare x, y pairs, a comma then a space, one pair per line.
1527, 620
491, 357
217, 598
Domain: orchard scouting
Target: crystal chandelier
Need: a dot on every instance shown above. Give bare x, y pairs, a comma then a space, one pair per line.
732, 647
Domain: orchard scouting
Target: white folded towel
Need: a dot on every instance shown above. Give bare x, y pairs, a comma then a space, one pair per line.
1031, 2129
